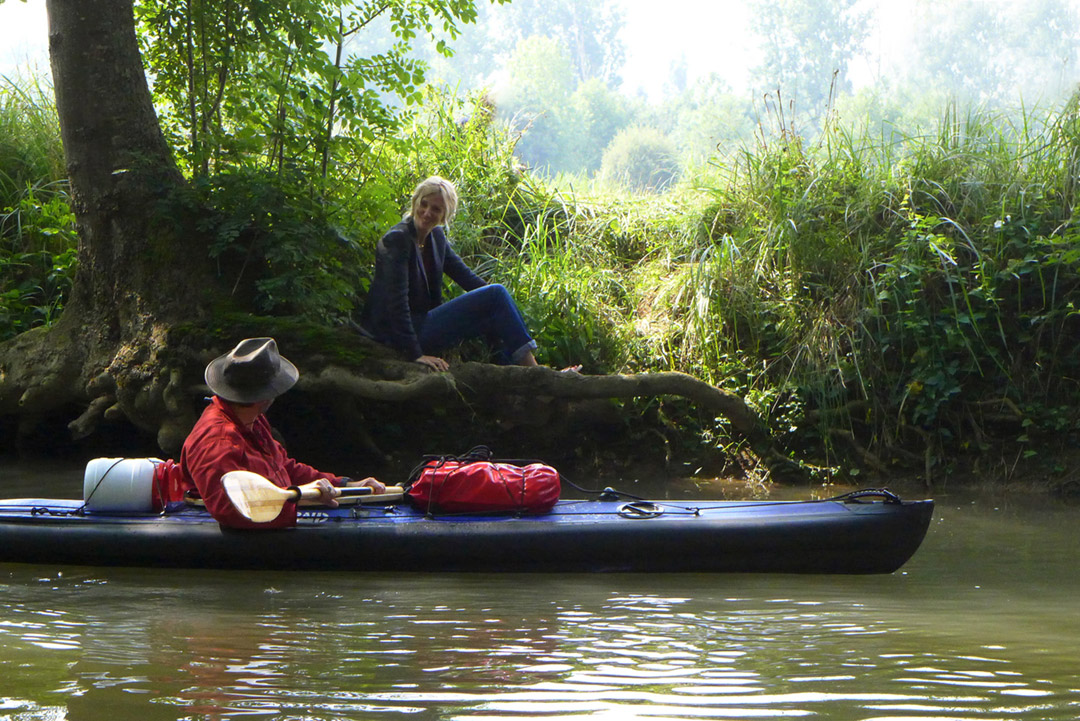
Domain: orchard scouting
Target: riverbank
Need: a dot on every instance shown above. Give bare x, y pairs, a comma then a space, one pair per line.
890, 305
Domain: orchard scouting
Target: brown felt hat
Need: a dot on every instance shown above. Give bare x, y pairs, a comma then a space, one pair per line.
251, 372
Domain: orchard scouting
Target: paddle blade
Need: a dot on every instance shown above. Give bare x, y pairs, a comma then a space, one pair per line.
255, 497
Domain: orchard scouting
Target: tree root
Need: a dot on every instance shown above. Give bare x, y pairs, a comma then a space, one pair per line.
147, 380
475, 381
87, 423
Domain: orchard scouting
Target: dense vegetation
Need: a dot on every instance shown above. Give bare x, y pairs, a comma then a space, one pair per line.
887, 299
37, 234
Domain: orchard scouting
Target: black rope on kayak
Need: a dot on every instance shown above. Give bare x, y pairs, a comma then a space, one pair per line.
608, 494
872, 493
46, 511
641, 509
433, 462
475, 454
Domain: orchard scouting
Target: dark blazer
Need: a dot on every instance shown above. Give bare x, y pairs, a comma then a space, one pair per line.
402, 293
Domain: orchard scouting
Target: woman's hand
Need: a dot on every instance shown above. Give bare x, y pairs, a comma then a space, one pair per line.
433, 362
376, 487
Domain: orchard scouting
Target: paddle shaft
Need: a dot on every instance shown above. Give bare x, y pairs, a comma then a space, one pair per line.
309, 494
259, 500
362, 494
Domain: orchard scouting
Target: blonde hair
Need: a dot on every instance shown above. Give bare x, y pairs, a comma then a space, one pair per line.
443, 187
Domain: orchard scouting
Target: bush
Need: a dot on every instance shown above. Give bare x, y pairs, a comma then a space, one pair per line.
641, 158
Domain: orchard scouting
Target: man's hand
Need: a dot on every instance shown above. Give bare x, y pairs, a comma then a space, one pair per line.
376, 487
328, 492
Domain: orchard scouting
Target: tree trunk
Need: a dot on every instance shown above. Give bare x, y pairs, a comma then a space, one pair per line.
118, 162
137, 275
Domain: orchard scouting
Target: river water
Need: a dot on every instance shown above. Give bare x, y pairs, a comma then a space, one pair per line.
983, 623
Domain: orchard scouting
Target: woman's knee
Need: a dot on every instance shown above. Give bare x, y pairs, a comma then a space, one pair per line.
494, 294
495, 289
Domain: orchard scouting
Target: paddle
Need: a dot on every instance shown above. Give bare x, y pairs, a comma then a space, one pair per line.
259, 500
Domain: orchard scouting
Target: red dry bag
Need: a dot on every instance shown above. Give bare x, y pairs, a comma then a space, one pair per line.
453, 486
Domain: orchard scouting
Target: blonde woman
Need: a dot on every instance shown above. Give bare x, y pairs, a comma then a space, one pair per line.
405, 308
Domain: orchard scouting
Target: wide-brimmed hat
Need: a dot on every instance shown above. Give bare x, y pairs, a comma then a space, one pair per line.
251, 372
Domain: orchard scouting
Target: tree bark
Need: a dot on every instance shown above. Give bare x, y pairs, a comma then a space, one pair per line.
138, 274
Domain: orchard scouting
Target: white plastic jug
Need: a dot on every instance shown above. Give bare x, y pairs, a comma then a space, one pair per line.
119, 484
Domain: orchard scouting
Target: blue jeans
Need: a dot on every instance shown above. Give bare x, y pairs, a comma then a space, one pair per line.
487, 312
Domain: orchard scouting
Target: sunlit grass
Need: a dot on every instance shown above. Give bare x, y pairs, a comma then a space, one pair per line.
30, 149
37, 227
876, 286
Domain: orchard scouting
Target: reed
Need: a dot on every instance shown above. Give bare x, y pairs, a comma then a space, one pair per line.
30, 149
896, 295
37, 227
882, 295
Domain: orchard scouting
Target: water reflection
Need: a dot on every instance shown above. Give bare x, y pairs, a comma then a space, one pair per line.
982, 624
128, 644
641, 656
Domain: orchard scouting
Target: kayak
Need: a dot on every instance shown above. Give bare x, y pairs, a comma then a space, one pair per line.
869, 531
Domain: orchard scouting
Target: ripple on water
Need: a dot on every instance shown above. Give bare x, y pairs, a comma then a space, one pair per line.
638, 659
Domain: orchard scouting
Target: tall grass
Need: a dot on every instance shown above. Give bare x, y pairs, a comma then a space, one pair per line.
899, 296
30, 148
880, 295
37, 227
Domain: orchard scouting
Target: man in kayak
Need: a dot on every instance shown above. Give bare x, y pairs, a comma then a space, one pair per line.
233, 434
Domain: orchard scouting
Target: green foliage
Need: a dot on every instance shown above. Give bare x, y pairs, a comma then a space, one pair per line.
984, 50
37, 227
898, 293
567, 286
37, 259
595, 115
642, 159
564, 120
278, 251
539, 91
590, 29
708, 118
30, 149
250, 84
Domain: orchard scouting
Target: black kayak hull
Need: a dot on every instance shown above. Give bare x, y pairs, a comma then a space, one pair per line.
710, 536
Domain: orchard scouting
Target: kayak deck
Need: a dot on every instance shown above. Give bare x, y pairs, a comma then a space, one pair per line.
832, 536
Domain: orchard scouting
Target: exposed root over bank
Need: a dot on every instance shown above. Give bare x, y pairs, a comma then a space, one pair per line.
154, 382
475, 382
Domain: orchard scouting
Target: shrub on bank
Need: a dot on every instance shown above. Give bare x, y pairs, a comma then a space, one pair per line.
642, 159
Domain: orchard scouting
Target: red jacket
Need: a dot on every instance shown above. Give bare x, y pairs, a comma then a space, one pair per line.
219, 443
